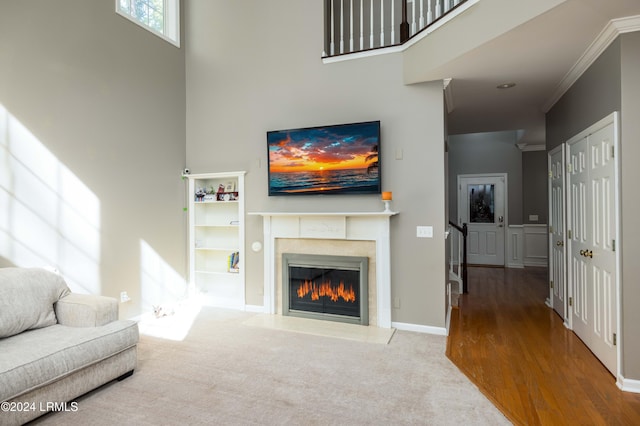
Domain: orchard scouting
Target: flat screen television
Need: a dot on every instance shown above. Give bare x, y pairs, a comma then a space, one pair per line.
337, 159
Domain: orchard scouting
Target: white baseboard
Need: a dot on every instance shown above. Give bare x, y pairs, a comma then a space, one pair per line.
254, 308
628, 385
427, 329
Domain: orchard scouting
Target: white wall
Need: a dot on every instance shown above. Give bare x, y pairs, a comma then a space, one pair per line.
255, 66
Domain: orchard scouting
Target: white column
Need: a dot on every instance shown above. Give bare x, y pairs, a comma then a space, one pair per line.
413, 17
381, 23
341, 26
351, 28
383, 271
361, 25
393, 22
371, 27
269, 248
332, 48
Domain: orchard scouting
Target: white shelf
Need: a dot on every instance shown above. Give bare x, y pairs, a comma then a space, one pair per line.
223, 273
322, 214
216, 230
197, 203
216, 226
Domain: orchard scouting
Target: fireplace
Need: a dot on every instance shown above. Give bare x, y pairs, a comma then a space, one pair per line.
325, 287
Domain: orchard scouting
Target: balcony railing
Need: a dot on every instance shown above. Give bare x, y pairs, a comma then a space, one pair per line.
360, 25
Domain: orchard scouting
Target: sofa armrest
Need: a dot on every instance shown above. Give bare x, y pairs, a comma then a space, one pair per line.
86, 310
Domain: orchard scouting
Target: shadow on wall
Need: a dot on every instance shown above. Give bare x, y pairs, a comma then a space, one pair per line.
48, 217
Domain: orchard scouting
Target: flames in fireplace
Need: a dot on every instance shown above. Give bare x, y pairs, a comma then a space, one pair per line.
326, 289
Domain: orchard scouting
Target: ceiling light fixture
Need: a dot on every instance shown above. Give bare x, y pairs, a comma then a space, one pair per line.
505, 86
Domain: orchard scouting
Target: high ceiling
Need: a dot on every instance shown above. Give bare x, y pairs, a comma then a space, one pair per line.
538, 55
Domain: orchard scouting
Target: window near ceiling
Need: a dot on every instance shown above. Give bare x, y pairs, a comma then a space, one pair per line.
161, 17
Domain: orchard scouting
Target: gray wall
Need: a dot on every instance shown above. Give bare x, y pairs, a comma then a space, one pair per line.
105, 100
534, 186
494, 152
611, 84
269, 76
595, 95
629, 155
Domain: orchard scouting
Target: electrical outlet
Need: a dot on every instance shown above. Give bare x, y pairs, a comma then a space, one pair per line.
424, 231
396, 302
124, 297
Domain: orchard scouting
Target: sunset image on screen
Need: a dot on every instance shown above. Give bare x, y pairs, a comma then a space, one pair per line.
325, 159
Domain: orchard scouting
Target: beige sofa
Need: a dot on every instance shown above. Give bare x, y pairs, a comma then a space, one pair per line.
56, 345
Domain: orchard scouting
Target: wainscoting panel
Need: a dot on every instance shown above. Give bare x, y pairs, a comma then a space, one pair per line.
515, 246
536, 246
527, 245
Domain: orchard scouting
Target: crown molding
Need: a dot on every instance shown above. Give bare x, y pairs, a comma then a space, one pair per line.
613, 29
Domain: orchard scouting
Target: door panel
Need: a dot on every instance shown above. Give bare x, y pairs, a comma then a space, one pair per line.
557, 259
603, 262
593, 225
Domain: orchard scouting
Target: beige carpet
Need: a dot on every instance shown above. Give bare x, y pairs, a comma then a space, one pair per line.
230, 373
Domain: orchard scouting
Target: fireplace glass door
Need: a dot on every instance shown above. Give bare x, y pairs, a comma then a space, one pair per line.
325, 287
324, 290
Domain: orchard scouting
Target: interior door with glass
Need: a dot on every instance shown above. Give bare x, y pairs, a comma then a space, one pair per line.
481, 204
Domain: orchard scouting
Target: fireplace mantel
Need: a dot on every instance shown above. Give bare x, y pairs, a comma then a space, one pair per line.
366, 226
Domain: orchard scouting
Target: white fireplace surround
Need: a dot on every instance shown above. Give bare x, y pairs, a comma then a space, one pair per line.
355, 226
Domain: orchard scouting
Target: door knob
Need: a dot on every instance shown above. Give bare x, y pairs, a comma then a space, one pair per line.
559, 243
587, 253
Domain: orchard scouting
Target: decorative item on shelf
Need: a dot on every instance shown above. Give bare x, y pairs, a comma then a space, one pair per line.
232, 262
227, 196
387, 196
200, 194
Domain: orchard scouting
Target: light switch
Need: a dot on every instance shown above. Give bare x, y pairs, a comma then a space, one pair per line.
424, 231
399, 154
533, 217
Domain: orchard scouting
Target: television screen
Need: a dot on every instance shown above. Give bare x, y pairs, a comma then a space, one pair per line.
339, 159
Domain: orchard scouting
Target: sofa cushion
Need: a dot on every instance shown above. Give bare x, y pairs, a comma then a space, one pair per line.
38, 357
27, 296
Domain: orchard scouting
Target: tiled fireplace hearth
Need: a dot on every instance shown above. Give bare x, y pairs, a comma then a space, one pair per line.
364, 234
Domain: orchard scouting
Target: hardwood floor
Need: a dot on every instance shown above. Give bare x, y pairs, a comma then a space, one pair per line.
520, 355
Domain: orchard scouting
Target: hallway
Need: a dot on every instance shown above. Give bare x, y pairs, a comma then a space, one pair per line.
519, 354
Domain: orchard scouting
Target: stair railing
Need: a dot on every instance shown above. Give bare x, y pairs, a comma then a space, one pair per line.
359, 25
458, 254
